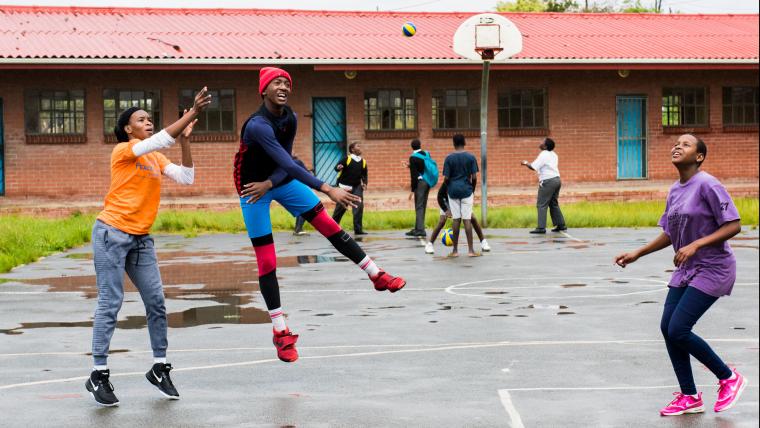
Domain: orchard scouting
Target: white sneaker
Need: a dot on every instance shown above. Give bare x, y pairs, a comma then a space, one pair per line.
429, 248
484, 246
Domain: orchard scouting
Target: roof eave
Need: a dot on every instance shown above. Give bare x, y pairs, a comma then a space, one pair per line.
377, 64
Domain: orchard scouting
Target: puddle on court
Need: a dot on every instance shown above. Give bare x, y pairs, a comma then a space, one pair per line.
537, 306
230, 284
572, 285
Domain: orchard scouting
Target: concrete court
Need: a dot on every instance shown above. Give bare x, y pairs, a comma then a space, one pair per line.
541, 332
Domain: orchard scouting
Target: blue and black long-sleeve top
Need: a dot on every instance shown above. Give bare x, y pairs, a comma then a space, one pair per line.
265, 153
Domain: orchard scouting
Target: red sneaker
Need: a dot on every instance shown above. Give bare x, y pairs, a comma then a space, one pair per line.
384, 281
285, 342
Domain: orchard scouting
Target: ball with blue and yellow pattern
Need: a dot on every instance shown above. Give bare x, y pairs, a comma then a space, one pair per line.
409, 29
447, 237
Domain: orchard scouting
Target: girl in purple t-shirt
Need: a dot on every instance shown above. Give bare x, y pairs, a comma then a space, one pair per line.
699, 219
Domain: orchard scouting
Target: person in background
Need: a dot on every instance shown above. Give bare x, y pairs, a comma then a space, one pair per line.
546, 166
443, 203
419, 188
460, 172
300, 221
352, 177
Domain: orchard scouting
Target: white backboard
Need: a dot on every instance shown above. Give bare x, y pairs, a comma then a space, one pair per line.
487, 30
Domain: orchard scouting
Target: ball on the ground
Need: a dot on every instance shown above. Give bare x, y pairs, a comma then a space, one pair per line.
409, 29
447, 237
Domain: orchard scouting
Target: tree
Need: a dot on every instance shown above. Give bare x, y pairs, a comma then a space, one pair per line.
593, 6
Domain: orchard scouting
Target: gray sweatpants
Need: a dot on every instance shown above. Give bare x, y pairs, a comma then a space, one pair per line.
548, 197
114, 253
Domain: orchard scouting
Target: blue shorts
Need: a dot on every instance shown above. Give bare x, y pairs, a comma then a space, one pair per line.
295, 196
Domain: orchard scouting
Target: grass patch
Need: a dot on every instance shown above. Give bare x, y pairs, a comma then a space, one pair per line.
24, 239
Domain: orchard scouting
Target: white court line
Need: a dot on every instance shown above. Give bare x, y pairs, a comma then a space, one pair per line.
436, 348
514, 416
567, 235
455, 289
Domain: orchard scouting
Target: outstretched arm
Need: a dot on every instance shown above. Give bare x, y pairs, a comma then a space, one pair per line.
660, 242
166, 137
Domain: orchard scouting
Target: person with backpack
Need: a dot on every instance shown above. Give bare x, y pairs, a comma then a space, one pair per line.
460, 171
352, 177
424, 175
264, 171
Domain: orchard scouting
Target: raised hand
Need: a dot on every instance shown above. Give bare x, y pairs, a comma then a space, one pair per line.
202, 100
189, 128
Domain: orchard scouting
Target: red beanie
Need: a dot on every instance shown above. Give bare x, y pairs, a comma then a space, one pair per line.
267, 74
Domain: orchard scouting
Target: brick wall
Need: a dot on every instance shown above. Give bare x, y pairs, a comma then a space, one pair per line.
581, 118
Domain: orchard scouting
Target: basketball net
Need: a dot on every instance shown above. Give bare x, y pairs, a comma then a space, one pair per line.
488, 54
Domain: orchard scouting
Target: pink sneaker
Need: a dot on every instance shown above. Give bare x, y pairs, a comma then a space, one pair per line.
683, 404
729, 391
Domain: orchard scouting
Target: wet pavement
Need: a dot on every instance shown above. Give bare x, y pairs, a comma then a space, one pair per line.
542, 331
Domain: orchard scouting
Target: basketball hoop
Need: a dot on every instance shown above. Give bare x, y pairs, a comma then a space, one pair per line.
486, 37
488, 41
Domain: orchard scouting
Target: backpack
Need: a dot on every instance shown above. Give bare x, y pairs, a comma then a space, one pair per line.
348, 162
430, 175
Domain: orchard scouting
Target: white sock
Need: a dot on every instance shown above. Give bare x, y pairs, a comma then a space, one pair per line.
369, 267
695, 396
159, 360
278, 319
733, 376
100, 368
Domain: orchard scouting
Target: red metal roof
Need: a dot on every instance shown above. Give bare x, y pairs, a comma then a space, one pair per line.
76, 35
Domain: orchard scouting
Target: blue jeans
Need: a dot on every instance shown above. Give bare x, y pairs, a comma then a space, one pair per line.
115, 252
683, 307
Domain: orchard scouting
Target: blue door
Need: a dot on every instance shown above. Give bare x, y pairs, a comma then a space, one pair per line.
2, 151
631, 136
329, 136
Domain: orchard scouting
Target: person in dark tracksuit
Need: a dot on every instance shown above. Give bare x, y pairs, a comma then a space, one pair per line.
352, 177
419, 188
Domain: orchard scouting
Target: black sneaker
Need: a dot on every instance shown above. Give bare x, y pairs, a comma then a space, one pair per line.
559, 229
360, 232
411, 232
420, 234
538, 231
159, 376
101, 388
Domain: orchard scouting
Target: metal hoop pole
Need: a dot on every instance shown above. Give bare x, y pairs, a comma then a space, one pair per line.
484, 142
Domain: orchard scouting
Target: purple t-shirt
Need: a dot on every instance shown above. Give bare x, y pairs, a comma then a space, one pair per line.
694, 210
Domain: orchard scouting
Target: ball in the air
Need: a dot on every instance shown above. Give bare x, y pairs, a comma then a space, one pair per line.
447, 237
409, 29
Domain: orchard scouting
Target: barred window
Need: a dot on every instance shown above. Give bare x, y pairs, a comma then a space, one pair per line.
684, 107
116, 101
456, 109
522, 109
219, 116
740, 105
54, 112
390, 110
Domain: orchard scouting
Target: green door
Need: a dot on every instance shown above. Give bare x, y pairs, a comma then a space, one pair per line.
329, 136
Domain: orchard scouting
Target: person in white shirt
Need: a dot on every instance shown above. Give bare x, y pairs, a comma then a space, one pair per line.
546, 166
